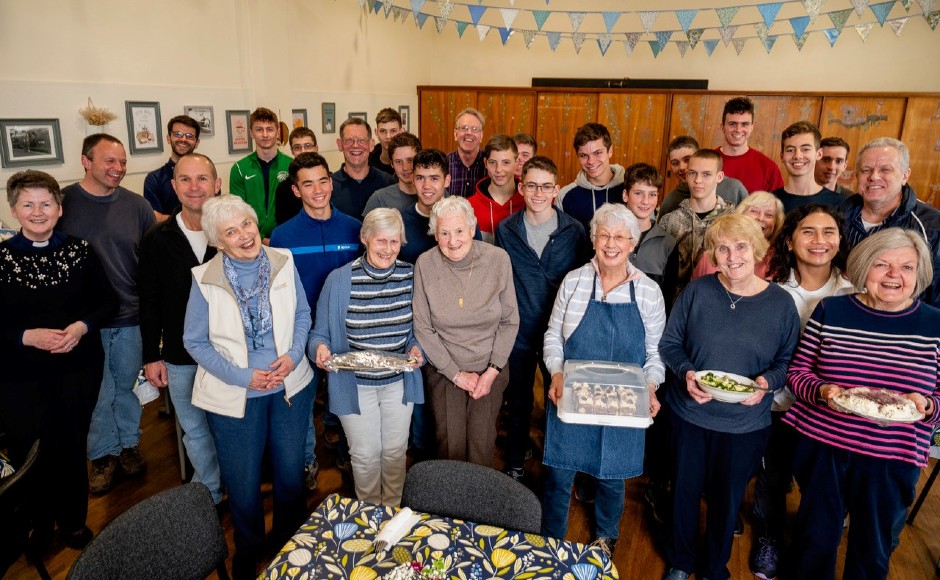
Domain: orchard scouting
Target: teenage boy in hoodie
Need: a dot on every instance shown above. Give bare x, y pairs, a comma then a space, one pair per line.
321, 239
598, 182
543, 245
497, 196
679, 151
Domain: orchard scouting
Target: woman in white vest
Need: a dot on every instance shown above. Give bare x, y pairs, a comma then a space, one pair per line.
246, 326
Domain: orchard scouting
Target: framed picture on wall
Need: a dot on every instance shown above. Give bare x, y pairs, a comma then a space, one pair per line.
405, 112
363, 116
239, 133
204, 116
143, 127
329, 117
298, 118
30, 142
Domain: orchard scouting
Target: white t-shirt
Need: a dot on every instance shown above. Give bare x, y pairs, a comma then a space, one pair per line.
197, 240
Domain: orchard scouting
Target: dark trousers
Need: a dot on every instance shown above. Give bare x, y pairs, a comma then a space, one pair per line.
608, 504
519, 399
719, 465
773, 480
658, 462
876, 494
466, 427
56, 409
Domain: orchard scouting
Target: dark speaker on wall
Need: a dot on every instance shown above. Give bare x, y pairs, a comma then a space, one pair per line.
693, 84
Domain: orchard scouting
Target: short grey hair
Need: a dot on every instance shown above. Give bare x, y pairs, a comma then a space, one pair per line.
383, 219
615, 215
221, 209
451, 205
470, 111
863, 256
905, 153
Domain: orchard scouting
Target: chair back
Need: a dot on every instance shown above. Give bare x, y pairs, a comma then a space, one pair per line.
476, 493
15, 494
174, 534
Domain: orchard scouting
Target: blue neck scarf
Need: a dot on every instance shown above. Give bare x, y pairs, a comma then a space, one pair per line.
255, 327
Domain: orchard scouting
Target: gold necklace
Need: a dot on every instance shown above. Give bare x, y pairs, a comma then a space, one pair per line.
457, 279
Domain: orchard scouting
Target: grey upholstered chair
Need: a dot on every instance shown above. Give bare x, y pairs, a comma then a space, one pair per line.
467, 491
174, 534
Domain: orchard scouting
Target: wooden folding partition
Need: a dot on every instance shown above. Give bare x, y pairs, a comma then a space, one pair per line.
642, 122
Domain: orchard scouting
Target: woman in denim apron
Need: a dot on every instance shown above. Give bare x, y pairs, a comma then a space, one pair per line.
605, 310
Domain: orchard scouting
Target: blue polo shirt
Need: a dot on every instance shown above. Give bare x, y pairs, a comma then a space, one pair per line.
158, 189
350, 195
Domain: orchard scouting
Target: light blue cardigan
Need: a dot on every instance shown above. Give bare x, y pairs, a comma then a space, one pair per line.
330, 329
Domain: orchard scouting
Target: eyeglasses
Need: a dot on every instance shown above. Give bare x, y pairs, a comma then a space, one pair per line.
470, 129
618, 239
531, 187
350, 141
180, 135
303, 147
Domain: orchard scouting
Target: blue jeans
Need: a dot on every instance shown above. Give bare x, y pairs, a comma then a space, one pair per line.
270, 422
200, 448
608, 504
310, 439
115, 422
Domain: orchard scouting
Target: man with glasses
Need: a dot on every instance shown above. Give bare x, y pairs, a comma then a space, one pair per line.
543, 245
355, 182
465, 164
182, 135
286, 204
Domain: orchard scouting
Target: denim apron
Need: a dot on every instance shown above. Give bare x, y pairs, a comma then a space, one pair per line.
610, 332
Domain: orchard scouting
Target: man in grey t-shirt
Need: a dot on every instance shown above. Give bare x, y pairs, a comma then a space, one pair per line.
113, 220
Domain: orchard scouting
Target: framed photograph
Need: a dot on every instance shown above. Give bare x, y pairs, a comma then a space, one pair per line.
144, 127
30, 142
405, 112
204, 116
239, 133
329, 117
299, 118
363, 116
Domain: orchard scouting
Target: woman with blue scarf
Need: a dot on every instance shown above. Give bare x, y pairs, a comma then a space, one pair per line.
246, 326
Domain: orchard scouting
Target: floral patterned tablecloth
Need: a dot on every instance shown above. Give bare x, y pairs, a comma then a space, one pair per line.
336, 541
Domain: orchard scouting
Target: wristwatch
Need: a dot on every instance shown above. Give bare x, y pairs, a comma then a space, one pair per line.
492, 366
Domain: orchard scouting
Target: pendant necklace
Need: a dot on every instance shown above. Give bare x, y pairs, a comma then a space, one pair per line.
457, 279
733, 302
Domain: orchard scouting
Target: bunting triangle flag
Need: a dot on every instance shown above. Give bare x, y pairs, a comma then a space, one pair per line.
663, 37
800, 40
540, 17
655, 47
863, 30
831, 35
897, 25
422, 18
739, 44
727, 33
799, 25
926, 6
685, 18
576, 19
726, 15
762, 31
881, 11
907, 4
812, 8
769, 13
482, 30
694, 36
710, 45
860, 6
683, 46
648, 19
633, 38
363, 3
577, 39
416, 6
399, 14
932, 19
509, 14
769, 42
388, 8
440, 23
375, 6
504, 34
529, 37
461, 27
553, 39
476, 12
839, 17
610, 18
445, 6
603, 42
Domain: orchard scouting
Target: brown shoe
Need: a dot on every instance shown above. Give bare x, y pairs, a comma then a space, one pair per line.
132, 462
101, 479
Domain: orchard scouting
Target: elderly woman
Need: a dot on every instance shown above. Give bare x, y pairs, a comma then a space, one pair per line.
366, 305
605, 310
246, 327
883, 337
767, 210
465, 318
54, 297
737, 322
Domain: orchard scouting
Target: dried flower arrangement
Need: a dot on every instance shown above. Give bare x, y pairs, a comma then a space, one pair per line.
97, 116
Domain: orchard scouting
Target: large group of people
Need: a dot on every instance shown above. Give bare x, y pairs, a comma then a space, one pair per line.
482, 273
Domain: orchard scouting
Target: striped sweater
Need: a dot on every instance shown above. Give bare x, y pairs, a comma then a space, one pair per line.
850, 345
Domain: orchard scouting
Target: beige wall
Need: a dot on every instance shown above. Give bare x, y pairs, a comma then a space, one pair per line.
284, 54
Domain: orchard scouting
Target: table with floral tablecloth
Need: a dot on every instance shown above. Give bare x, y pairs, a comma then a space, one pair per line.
336, 542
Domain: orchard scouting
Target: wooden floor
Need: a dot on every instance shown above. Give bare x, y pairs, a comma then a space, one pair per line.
637, 555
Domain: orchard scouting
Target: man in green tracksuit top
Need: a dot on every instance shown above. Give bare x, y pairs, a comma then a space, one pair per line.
255, 178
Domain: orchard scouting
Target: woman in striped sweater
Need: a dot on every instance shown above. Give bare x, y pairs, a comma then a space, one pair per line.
366, 305
883, 337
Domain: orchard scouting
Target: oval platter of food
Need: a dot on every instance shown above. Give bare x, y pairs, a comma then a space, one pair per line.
880, 405
726, 387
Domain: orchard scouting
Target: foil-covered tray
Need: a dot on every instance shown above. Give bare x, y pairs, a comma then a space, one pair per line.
371, 361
